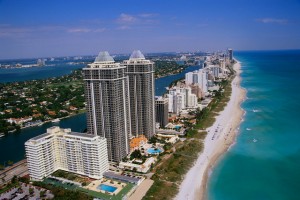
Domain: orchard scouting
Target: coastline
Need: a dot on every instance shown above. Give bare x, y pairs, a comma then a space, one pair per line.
221, 135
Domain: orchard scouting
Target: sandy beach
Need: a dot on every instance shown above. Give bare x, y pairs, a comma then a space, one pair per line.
221, 135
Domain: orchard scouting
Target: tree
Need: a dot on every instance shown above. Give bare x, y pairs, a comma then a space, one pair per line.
43, 193
14, 179
31, 191
136, 154
10, 162
1, 167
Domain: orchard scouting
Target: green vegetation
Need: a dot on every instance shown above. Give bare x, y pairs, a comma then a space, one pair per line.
63, 194
70, 176
13, 183
8, 187
35, 101
170, 171
74, 192
32, 102
166, 68
136, 154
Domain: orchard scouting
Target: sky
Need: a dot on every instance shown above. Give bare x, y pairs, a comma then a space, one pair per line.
45, 28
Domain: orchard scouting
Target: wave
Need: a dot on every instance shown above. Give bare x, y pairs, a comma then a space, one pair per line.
248, 129
256, 110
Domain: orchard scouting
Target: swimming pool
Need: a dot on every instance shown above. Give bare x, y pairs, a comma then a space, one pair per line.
106, 188
177, 127
153, 151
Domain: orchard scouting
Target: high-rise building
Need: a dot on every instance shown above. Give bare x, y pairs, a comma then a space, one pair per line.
107, 96
62, 149
230, 54
161, 111
141, 92
197, 77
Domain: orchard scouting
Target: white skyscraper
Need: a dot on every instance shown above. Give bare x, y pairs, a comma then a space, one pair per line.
197, 77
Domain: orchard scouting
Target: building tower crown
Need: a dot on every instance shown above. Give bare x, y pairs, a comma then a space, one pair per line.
137, 54
104, 57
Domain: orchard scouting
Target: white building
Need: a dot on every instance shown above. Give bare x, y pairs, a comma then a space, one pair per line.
62, 149
197, 77
143, 168
181, 98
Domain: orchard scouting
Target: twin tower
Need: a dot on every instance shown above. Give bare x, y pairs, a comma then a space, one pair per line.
120, 100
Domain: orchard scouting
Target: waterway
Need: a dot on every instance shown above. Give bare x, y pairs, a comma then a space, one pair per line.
12, 145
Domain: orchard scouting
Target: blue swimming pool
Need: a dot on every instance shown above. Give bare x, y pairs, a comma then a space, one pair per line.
107, 188
153, 151
177, 127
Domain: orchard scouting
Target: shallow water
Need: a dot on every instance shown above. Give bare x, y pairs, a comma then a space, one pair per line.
265, 161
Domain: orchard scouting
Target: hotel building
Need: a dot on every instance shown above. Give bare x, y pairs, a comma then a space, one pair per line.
70, 151
107, 96
141, 92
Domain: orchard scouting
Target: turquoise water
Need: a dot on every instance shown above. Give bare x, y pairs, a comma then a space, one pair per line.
107, 188
270, 167
153, 151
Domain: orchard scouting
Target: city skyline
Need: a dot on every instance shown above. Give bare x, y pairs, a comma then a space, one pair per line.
54, 28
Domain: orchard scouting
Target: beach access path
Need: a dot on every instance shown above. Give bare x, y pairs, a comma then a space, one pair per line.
221, 135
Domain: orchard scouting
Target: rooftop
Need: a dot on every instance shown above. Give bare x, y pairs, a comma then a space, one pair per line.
121, 177
104, 56
137, 54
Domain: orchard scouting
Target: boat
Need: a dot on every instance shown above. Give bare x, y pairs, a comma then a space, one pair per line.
56, 120
2, 135
248, 129
254, 140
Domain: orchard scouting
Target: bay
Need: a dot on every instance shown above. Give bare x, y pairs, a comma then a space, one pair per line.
12, 145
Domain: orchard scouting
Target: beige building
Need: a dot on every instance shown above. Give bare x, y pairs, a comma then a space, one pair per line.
70, 151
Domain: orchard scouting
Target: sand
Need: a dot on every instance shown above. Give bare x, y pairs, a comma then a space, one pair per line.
221, 135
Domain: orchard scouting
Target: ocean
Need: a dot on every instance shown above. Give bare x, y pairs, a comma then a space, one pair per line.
264, 163
12, 145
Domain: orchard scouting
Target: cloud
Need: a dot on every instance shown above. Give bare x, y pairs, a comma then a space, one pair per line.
79, 30
8, 31
147, 15
86, 30
99, 30
126, 19
123, 27
272, 21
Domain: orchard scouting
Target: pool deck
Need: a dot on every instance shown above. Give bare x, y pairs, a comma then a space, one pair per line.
94, 184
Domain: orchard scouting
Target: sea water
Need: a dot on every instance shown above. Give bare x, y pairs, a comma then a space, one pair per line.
264, 163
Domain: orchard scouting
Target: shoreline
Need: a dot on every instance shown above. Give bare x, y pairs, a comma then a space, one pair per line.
221, 135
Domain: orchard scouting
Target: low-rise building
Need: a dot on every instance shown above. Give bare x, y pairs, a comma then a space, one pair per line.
143, 168
19, 120
70, 151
